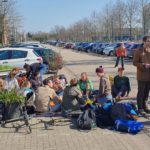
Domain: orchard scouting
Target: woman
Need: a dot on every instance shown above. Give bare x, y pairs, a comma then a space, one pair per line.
104, 93
11, 82
121, 53
72, 97
85, 85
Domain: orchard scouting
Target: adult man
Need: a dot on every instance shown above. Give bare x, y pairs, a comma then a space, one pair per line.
142, 61
121, 86
35, 67
46, 98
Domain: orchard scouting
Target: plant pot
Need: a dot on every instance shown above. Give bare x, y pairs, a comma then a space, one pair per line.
12, 111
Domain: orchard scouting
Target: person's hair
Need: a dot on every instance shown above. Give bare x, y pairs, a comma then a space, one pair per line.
146, 37
120, 69
84, 73
73, 82
1, 85
46, 81
25, 83
26, 66
36, 73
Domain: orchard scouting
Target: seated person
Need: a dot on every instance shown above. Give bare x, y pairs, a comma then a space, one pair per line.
121, 86
85, 85
35, 81
72, 97
104, 93
2, 86
57, 85
11, 82
46, 98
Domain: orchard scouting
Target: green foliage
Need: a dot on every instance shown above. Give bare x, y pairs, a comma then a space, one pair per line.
3, 68
9, 97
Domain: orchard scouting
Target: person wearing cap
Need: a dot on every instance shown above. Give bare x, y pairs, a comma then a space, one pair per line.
121, 53
121, 86
46, 98
141, 60
85, 85
104, 93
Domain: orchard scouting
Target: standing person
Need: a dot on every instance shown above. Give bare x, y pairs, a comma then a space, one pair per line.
142, 61
85, 85
121, 53
35, 67
104, 93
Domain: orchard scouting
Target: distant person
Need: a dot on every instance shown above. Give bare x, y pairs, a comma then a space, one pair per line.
121, 86
141, 60
104, 93
35, 67
121, 53
85, 85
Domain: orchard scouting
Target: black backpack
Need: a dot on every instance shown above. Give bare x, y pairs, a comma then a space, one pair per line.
86, 120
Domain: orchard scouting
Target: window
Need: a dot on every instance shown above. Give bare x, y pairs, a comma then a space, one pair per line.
5, 54
18, 54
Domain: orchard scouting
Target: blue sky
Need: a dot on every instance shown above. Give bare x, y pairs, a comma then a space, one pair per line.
43, 15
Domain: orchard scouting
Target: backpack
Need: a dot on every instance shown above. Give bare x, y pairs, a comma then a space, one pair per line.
86, 120
130, 126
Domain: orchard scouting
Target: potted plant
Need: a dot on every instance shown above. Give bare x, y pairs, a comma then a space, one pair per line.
12, 102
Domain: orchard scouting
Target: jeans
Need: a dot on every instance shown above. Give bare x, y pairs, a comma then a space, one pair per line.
119, 91
56, 107
122, 61
143, 93
42, 71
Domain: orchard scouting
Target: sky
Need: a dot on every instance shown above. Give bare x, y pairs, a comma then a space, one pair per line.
43, 15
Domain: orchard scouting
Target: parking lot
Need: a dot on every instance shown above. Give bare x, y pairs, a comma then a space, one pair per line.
63, 135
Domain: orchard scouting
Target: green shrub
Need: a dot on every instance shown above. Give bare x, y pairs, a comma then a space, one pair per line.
9, 97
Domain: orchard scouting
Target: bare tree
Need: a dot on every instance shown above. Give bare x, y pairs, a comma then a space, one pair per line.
131, 14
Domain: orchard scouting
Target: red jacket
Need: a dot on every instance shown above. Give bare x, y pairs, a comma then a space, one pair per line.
121, 52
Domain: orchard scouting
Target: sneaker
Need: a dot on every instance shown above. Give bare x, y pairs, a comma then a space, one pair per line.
141, 112
147, 111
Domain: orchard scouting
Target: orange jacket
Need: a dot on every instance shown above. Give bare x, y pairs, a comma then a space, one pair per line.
121, 52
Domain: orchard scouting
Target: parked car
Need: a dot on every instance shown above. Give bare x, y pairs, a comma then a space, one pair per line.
17, 57
131, 49
89, 47
52, 59
109, 50
99, 50
68, 45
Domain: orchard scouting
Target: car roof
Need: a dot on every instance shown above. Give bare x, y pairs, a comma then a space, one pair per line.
16, 48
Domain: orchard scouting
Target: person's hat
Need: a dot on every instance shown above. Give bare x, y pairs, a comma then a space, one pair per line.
99, 70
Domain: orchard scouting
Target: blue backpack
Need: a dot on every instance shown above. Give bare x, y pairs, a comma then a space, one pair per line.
128, 126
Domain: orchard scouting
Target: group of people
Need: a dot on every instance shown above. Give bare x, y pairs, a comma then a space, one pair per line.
55, 94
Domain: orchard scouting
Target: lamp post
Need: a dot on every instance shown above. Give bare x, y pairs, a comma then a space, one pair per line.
4, 30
